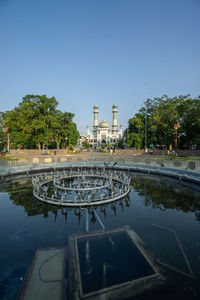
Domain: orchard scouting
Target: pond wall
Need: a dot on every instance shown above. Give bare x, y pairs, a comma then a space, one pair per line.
36, 161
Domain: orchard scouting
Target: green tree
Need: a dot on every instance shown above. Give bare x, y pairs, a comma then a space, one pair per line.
36, 122
64, 130
135, 133
162, 120
189, 111
162, 114
2, 133
86, 144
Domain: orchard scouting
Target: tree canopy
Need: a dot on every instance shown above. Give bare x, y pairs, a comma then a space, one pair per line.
162, 114
37, 122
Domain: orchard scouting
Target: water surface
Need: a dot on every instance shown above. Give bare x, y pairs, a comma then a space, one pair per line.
159, 210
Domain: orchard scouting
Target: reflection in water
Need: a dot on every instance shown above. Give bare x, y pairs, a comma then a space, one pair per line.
21, 194
167, 195
151, 189
152, 201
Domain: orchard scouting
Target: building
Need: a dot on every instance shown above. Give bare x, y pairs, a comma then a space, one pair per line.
102, 134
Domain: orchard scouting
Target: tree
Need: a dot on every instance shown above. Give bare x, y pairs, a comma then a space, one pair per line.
162, 121
36, 122
2, 133
86, 144
135, 133
162, 114
64, 130
189, 111
73, 134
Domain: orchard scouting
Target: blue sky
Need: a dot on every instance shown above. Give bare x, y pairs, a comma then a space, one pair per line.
87, 52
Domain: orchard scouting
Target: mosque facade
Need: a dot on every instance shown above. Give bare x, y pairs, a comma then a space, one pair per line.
101, 133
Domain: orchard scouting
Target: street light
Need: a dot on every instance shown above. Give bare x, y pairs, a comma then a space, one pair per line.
146, 150
66, 142
47, 137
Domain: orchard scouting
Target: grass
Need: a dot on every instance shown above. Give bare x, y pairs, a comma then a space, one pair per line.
12, 158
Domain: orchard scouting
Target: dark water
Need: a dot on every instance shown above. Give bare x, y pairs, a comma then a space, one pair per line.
121, 262
163, 213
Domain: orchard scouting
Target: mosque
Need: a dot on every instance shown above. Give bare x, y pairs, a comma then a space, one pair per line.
101, 132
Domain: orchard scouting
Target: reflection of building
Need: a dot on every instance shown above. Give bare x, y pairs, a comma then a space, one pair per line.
101, 133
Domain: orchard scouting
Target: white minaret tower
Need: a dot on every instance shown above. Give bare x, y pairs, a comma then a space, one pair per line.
95, 124
121, 131
114, 124
88, 130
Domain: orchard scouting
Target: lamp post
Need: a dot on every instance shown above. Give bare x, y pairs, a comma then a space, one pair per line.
176, 126
47, 137
146, 150
66, 142
140, 146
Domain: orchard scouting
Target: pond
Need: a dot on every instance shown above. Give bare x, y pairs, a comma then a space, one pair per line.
162, 212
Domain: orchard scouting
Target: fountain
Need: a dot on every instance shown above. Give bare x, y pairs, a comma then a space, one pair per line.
79, 182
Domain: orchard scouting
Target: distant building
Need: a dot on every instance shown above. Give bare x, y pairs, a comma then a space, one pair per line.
101, 132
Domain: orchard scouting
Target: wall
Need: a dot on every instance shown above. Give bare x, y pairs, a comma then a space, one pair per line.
193, 165
33, 152
158, 152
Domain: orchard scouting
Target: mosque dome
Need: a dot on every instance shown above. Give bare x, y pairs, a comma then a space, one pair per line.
104, 124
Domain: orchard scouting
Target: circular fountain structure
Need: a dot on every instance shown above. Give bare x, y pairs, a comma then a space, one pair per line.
81, 187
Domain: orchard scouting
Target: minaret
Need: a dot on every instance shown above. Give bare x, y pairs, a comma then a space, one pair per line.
88, 130
114, 124
95, 124
121, 130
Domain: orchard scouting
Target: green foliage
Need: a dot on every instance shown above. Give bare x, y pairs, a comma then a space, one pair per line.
162, 113
73, 134
64, 131
2, 133
135, 134
86, 144
36, 122
119, 144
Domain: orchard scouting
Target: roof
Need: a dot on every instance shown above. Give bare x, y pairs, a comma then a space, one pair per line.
104, 124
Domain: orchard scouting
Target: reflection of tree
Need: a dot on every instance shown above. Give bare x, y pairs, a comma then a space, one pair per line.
167, 195
23, 196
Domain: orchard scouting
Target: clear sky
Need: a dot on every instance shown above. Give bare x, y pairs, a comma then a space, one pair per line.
87, 52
